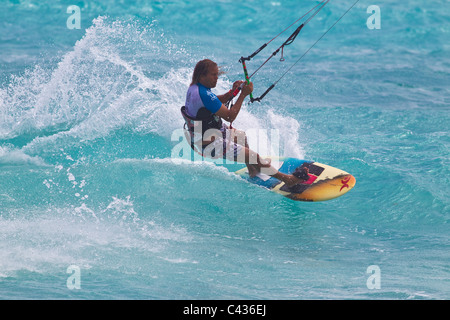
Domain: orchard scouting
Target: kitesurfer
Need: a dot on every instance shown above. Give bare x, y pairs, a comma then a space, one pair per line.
203, 113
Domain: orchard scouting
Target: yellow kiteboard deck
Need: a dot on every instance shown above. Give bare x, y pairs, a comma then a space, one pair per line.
324, 183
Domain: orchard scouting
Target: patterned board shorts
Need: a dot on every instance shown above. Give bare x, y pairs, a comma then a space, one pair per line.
224, 147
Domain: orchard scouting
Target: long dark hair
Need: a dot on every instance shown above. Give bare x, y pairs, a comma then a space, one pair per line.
201, 69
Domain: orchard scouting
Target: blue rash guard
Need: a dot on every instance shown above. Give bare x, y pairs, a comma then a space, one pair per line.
201, 105
201, 102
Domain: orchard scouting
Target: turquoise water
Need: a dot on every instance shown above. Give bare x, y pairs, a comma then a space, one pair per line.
88, 179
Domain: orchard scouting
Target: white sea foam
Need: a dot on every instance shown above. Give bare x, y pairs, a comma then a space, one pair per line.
15, 157
97, 88
59, 237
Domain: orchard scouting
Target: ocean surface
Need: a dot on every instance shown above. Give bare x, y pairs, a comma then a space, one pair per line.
95, 205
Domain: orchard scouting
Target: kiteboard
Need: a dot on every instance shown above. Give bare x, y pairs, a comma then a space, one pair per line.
324, 183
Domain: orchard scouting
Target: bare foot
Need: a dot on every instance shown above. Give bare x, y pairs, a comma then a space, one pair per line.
265, 163
291, 180
254, 169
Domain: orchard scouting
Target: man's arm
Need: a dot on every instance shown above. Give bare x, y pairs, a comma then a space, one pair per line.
231, 114
227, 96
